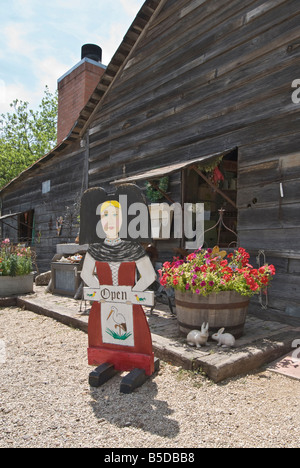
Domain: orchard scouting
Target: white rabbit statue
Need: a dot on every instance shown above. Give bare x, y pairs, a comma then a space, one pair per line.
198, 338
226, 340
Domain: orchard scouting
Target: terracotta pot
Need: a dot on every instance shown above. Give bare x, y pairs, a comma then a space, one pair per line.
16, 285
226, 309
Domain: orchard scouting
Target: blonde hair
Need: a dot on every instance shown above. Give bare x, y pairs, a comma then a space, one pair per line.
110, 203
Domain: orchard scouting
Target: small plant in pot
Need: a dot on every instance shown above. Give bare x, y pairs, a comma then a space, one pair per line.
215, 287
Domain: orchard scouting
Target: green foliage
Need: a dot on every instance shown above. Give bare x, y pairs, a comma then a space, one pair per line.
26, 135
116, 336
13, 265
210, 165
154, 195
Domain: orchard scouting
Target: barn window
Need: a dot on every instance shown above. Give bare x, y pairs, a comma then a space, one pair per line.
46, 186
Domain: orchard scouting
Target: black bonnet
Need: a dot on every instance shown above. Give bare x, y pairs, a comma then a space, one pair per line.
126, 195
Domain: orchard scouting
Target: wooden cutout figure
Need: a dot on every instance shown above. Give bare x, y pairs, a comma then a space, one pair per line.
118, 332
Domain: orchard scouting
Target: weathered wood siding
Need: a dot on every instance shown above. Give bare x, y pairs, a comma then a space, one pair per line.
66, 175
206, 76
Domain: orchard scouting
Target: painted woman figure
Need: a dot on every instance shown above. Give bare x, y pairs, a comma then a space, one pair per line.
118, 330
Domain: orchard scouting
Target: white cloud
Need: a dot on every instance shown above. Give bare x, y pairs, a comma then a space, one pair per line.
16, 35
23, 8
132, 7
41, 41
25, 54
2, 92
17, 90
48, 71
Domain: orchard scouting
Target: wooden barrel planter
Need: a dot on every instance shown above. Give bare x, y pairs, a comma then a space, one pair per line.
226, 309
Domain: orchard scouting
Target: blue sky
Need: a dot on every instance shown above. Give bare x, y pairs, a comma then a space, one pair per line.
41, 40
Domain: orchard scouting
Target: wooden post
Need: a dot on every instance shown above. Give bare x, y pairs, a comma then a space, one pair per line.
161, 191
213, 186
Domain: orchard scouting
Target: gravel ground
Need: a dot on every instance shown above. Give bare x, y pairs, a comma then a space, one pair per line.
45, 399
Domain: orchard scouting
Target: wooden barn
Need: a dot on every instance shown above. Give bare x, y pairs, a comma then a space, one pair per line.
197, 101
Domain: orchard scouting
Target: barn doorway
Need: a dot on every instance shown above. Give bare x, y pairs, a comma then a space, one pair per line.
26, 227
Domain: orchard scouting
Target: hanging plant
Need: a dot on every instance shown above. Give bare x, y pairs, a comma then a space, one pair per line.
154, 195
212, 170
59, 223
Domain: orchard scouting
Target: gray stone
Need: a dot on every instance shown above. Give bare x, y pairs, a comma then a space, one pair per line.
43, 279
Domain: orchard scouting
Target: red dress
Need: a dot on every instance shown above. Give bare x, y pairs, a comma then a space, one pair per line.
124, 358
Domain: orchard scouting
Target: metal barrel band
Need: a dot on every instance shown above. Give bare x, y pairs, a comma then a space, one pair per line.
232, 328
193, 305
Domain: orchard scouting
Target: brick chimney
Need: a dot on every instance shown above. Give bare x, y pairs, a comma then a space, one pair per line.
76, 87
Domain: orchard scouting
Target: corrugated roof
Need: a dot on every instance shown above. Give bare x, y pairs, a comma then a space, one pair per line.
167, 170
11, 215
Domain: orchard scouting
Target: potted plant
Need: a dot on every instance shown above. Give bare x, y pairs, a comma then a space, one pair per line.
16, 276
215, 287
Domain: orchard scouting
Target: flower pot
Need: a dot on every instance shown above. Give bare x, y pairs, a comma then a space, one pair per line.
226, 309
16, 285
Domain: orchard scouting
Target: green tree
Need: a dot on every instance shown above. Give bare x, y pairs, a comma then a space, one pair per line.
26, 135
